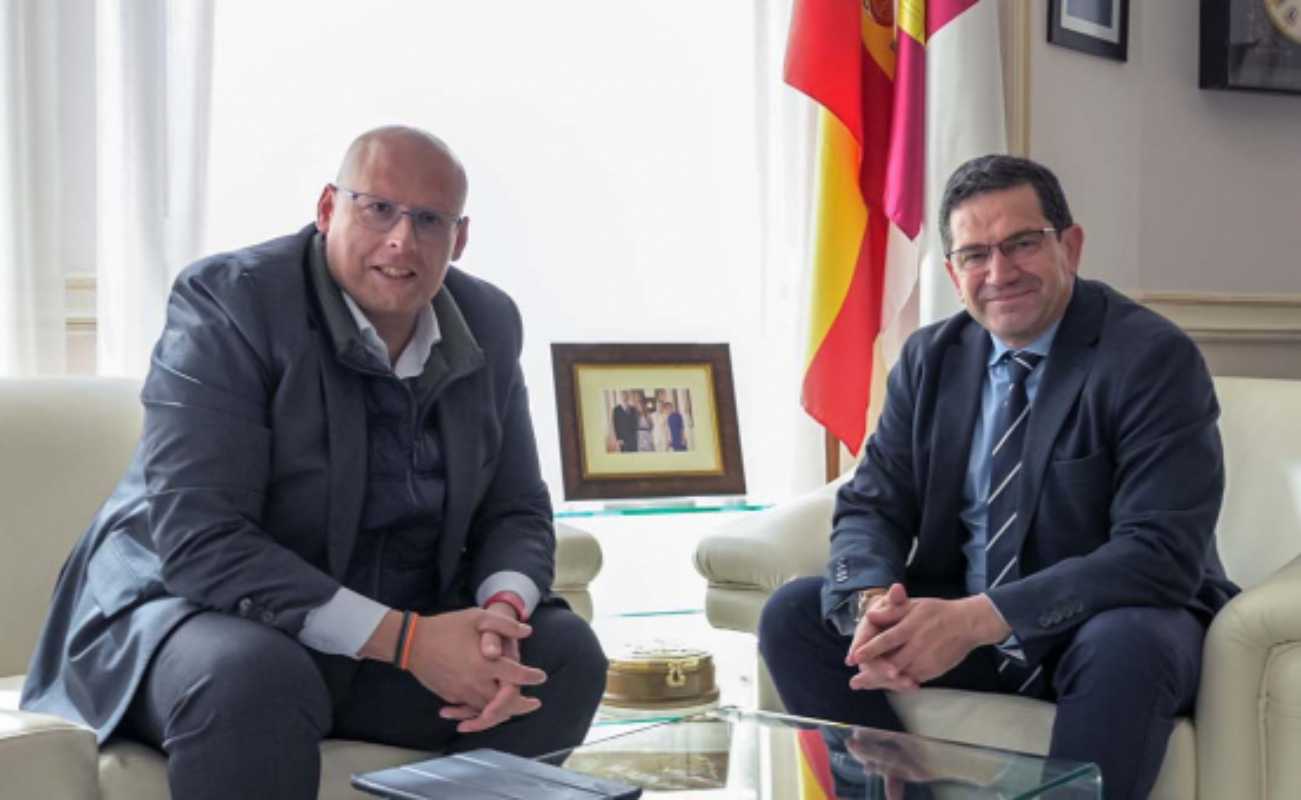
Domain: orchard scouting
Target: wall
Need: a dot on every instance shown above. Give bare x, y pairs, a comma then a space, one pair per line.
1179, 188
1189, 198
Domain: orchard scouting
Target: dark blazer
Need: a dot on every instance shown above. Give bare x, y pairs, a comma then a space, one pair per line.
1123, 474
246, 491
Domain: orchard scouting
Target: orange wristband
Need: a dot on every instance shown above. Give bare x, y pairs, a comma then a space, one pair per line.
411, 638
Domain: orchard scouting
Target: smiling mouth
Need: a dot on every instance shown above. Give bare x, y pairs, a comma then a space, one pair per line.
1010, 296
396, 273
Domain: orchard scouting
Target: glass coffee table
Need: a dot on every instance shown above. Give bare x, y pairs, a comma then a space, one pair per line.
729, 753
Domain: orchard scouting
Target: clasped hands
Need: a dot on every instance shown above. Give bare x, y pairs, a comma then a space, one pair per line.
471, 659
902, 642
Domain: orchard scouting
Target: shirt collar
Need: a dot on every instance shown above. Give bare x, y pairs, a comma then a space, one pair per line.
1039, 346
411, 361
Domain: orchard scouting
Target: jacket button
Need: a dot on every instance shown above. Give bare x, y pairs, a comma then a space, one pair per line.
245, 605
268, 617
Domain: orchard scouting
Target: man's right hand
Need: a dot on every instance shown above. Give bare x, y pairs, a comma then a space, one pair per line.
447, 659
884, 611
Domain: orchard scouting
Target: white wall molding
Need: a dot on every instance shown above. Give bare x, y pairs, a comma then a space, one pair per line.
1240, 334
1015, 20
79, 322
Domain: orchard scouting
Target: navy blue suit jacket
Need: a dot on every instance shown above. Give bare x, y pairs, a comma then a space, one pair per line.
245, 494
1123, 474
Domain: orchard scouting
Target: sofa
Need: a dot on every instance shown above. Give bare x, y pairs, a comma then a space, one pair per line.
1244, 738
66, 441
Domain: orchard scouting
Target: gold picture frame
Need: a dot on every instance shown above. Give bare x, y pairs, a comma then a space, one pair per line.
646, 420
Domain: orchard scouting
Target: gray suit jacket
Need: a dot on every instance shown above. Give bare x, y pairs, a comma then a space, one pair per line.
1123, 474
245, 493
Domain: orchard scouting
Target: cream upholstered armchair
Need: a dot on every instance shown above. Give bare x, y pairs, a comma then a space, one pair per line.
1245, 736
64, 443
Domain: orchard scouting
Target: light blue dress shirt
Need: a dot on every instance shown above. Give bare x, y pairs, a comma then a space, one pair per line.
975, 488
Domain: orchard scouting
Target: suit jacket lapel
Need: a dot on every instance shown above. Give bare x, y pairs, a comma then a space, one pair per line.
1068, 364
345, 412
957, 387
345, 415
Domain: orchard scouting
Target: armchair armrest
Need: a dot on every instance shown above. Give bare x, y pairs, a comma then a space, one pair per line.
1249, 703
578, 560
753, 556
44, 756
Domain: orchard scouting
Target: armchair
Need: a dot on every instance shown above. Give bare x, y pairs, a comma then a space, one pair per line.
1246, 730
66, 443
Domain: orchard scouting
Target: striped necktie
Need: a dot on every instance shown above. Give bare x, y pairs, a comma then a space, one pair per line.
1002, 550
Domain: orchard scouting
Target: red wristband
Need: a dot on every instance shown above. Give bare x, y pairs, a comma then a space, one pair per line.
511, 599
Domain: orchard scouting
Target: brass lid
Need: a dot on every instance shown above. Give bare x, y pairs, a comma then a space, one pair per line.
655, 657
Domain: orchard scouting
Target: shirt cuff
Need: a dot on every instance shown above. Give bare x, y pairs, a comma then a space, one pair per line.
1011, 646
842, 616
343, 624
510, 581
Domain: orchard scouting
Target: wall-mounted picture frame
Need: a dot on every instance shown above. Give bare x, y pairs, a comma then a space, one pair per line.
1098, 27
1250, 45
646, 420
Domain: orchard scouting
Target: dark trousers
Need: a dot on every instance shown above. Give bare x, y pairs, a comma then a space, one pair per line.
240, 708
1118, 683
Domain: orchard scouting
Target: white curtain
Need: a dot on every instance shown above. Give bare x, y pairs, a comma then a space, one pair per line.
786, 127
103, 153
153, 88
31, 276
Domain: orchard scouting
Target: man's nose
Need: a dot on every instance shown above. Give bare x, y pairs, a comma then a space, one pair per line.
1001, 268
403, 233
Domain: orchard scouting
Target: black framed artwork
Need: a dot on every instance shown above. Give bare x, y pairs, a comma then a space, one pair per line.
1251, 45
1098, 27
646, 420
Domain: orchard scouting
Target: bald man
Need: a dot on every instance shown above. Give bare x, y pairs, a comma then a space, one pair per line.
335, 523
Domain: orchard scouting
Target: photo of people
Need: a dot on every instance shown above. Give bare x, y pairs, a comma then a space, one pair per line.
648, 421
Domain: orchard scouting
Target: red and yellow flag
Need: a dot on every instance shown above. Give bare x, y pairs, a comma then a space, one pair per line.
815, 781
865, 63
841, 54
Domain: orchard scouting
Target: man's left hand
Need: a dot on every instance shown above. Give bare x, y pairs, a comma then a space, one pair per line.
935, 635
508, 702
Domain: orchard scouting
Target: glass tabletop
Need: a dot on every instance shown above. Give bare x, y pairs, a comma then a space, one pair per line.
730, 753
573, 509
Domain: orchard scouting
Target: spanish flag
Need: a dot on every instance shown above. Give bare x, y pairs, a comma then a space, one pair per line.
878, 71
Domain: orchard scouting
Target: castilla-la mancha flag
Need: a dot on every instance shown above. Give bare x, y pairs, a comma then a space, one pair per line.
908, 91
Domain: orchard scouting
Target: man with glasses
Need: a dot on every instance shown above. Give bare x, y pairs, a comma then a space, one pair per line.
1035, 510
335, 524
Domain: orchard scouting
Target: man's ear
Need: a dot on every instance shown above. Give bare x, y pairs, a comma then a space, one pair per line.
462, 238
1073, 243
325, 208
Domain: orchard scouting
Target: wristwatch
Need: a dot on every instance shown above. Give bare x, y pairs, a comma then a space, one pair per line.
864, 600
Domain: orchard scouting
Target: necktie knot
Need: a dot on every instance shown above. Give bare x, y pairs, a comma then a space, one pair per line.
1021, 363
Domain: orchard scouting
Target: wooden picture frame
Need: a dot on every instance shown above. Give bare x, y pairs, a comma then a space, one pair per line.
1250, 45
646, 420
1098, 27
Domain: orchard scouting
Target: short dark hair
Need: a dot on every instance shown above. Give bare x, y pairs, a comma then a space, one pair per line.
994, 173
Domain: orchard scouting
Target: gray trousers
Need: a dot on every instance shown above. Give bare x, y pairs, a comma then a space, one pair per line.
240, 708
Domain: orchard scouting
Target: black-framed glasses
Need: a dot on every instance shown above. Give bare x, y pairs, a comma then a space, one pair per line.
381, 214
1016, 248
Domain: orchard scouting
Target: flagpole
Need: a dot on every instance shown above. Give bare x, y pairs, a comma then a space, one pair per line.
831, 455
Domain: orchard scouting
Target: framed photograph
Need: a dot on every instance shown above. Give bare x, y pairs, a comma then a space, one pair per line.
1251, 45
646, 420
1099, 27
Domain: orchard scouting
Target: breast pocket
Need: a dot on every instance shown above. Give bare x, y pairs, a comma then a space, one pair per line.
1076, 498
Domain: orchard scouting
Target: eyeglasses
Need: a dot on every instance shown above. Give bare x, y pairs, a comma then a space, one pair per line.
1017, 248
381, 214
